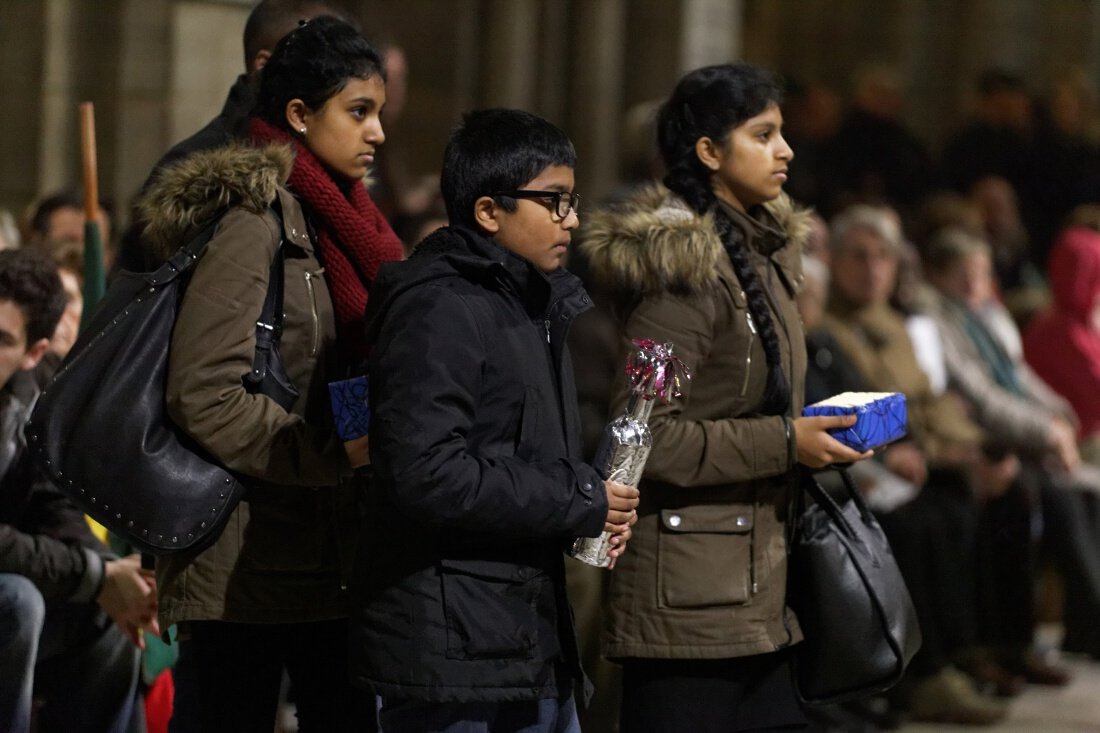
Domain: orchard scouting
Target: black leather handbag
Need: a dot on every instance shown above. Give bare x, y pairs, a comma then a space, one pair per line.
844, 584
101, 432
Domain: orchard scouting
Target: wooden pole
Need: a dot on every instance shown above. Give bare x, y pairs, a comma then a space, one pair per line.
87, 150
95, 281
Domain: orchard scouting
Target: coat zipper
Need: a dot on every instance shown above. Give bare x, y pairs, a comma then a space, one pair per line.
313, 311
748, 352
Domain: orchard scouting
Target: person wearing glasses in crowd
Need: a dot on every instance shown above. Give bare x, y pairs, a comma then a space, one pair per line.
711, 264
462, 621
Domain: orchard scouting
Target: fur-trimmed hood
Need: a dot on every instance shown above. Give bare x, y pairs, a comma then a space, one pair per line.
189, 194
655, 243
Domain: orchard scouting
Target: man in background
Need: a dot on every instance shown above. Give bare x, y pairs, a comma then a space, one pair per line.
70, 614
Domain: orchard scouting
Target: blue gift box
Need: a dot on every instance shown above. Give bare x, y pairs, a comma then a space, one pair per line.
881, 417
350, 407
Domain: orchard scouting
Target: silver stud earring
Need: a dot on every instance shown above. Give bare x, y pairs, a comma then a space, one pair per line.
303, 131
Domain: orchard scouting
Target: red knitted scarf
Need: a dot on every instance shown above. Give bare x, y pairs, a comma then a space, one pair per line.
353, 237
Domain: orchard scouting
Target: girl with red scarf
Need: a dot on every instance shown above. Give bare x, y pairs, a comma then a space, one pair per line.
270, 594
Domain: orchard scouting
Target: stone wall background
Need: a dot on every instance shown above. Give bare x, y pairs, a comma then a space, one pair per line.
158, 69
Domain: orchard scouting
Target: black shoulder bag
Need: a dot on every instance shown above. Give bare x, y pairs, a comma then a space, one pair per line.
101, 431
859, 623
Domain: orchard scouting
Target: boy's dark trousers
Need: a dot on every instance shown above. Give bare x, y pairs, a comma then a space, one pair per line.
535, 716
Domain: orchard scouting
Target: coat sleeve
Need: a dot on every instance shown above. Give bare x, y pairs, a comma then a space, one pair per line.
701, 452
426, 382
213, 345
62, 571
1018, 420
1035, 386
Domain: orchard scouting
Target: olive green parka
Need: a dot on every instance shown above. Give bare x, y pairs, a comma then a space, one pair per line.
706, 571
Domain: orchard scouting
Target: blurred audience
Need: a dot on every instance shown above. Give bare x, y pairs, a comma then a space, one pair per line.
1063, 344
59, 217
1066, 169
928, 505
997, 140
812, 114
985, 364
874, 156
9, 231
1020, 281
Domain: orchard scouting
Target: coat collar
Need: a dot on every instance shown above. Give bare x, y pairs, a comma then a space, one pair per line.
479, 258
762, 232
191, 193
654, 243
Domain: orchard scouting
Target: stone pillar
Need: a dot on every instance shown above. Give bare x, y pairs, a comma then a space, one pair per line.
206, 58
144, 73
710, 32
596, 94
510, 42
466, 55
57, 138
22, 52
652, 50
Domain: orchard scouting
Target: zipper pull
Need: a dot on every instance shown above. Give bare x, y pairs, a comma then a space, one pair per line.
748, 354
546, 323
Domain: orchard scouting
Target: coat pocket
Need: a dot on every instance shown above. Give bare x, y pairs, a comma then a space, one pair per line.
704, 556
490, 608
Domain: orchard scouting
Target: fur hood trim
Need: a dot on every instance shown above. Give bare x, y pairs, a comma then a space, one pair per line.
653, 243
189, 194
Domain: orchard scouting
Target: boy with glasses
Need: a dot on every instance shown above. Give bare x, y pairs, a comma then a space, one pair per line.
462, 621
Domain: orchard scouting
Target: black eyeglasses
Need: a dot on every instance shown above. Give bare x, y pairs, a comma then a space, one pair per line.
564, 201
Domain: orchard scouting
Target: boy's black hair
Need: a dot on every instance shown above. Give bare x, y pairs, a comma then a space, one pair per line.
313, 63
29, 279
498, 150
711, 102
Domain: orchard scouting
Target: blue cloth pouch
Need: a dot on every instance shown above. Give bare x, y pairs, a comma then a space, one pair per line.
881, 417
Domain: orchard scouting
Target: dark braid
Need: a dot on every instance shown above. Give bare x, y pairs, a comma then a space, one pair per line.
709, 102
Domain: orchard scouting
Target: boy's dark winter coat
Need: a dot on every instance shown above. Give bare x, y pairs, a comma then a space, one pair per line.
478, 484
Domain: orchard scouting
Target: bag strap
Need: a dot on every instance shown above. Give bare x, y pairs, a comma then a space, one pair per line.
810, 485
185, 257
269, 327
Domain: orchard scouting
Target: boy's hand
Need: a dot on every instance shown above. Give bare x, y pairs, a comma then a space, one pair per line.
622, 502
816, 448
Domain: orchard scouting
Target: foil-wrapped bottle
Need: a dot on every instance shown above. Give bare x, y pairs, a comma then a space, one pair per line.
654, 374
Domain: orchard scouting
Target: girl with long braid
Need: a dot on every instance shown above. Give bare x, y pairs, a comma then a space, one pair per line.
711, 264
